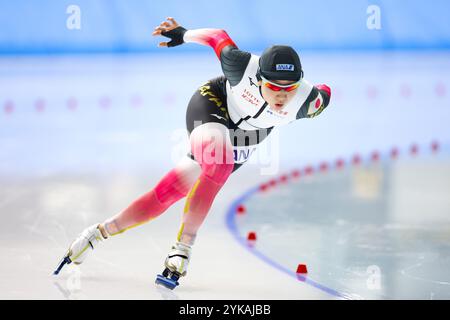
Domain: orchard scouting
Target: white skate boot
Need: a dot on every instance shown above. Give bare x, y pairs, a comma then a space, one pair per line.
80, 248
176, 265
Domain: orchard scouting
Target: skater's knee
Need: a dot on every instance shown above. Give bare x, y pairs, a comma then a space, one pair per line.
177, 182
218, 173
170, 188
217, 167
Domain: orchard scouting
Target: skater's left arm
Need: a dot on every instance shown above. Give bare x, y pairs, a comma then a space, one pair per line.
233, 60
317, 101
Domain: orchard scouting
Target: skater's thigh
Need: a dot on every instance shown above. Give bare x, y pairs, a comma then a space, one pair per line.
239, 149
207, 116
206, 106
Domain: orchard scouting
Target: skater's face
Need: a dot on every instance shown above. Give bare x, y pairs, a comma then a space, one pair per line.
278, 97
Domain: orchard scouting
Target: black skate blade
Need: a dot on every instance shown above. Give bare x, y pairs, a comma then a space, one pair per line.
166, 282
64, 261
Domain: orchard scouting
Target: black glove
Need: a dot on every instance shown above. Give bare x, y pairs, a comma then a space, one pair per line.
176, 36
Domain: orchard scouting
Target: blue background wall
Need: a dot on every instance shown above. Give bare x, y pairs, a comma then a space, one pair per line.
29, 26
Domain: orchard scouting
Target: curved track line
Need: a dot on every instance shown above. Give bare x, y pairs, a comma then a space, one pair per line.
232, 227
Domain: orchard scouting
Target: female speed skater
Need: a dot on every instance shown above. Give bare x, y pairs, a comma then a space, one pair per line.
225, 115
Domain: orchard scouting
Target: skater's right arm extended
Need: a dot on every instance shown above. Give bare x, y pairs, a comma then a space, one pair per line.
233, 61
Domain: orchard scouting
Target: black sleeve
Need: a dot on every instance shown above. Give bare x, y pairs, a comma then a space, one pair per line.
234, 62
313, 96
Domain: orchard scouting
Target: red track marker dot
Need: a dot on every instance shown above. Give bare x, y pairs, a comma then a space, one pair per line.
440, 90
340, 163
272, 183
251, 236
136, 100
241, 209
414, 149
263, 187
302, 269
435, 146
309, 170
39, 105
72, 103
323, 167
405, 91
296, 173
375, 156
283, 178
8, 108
394, 153
372, 92
356, 160
105, 102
